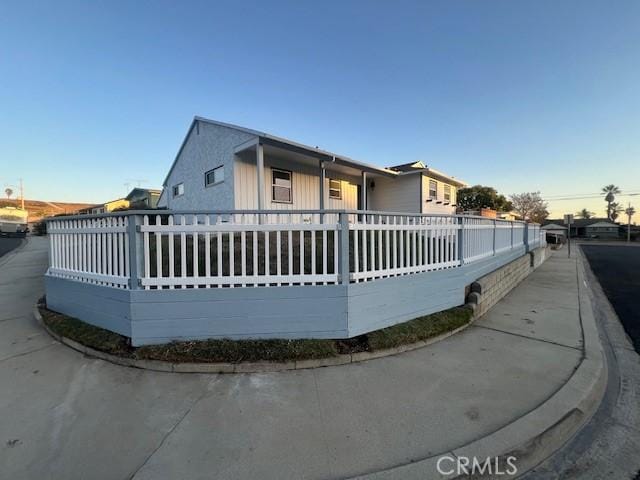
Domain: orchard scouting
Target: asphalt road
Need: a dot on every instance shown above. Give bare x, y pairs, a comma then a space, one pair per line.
618, 271
9, 243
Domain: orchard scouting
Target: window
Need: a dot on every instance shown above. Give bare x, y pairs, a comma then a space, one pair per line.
335, 189
281, 186
447, 193
178, 190
214, 176
433, 189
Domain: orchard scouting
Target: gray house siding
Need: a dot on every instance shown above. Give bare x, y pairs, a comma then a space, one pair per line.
207, 146
162, 201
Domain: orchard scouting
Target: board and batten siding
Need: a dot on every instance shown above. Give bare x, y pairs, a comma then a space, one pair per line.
207, 147
400, 194
305, 186
433, 207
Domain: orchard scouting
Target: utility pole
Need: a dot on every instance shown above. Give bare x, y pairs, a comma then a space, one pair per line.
21, 194
568, 220
630, 212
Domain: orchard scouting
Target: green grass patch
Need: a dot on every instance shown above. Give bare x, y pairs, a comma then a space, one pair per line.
419, 329
88, 335
276, 350
236, 351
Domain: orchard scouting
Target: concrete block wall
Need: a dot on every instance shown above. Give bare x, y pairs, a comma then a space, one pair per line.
539, 255
489, 289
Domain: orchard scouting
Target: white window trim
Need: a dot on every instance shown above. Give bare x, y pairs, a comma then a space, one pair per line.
339, 189
447, 193
282, 170
212, 171
433, 197
173, 190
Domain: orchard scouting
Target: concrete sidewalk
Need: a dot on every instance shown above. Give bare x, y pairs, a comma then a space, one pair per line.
63, 415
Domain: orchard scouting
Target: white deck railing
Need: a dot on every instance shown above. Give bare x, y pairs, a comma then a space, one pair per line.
391, 245
94, 250
169, 250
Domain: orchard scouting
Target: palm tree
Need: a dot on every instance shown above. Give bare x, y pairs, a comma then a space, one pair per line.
610, 192
615, 209
630, 212
8, 192
584, 213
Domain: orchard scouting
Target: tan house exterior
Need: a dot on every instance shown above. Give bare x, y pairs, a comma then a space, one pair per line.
106, 207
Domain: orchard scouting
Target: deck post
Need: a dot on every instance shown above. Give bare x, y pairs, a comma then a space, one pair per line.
260, 177
494, 237
363, 192
511, 235
323, 174
344, 248
461, 240
136, 270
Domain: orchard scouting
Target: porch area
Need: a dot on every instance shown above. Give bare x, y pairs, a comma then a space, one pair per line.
278, 175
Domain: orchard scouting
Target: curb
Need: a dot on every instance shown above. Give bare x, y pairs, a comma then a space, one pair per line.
246, 367
536, 435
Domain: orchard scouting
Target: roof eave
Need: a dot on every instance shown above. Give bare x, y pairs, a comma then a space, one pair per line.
323, 155
440, 176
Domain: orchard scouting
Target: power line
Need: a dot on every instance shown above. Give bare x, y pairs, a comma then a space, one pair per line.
586, 196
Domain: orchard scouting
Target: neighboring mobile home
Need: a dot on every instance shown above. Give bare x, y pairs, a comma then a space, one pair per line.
586, 227
604, 229
143, 198
226, 167
138, 198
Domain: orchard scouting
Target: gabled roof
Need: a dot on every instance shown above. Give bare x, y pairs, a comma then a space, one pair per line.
553, 226
579, 222
602, 224
408, 167
152, 191
316, 152
280, 141
421, 167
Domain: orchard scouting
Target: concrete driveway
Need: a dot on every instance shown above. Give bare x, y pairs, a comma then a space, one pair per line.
63, 415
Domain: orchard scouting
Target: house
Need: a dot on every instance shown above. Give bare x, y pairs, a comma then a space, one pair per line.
584, 227
139, 198
106, 207
226, 167
603, 229
143, 198
556, 232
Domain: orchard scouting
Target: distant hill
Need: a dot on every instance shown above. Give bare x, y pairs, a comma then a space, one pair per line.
39, 209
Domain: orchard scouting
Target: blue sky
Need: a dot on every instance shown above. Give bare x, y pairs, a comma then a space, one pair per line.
522, 96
